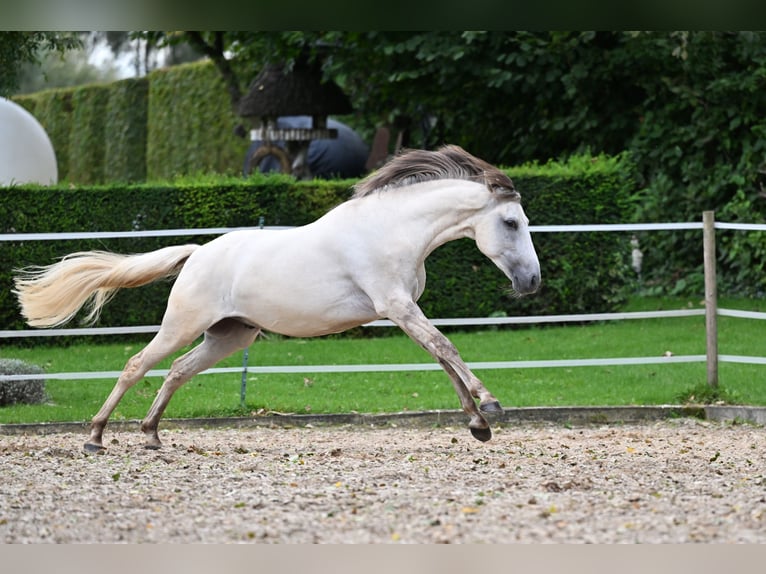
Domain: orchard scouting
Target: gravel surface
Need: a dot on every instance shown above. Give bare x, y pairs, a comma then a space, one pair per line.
674, 481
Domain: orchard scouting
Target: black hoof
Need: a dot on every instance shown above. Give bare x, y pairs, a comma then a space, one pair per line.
482, 434
493, 407
152, 446
90, 447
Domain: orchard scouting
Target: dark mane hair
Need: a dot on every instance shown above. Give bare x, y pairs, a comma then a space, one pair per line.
448, 162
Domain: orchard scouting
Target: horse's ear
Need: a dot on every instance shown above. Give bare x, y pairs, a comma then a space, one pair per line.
499, 183
504, 191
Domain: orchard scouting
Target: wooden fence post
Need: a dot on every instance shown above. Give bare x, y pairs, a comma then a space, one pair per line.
711, 297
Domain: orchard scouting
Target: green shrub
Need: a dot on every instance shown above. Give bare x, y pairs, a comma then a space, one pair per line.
52, 108
88, 134
27, 391
126, 127
191, 124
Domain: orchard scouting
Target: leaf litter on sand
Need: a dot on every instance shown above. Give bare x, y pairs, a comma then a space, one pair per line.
674, 481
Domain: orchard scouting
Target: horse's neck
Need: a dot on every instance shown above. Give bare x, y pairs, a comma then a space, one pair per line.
438, 212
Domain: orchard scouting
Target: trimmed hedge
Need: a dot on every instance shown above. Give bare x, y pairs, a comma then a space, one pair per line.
210, 203
126, 129
53, 109
191, 124
584, 272
98, 131
87, 137
177, 121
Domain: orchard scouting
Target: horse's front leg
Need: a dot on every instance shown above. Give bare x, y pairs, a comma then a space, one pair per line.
409, 317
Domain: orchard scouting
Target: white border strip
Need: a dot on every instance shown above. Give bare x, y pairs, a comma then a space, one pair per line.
742, 359
378, 368
741, 226
741, 314
393, 367
456, 322
128, 234
582, 317
222, 230
615, 227
79, 331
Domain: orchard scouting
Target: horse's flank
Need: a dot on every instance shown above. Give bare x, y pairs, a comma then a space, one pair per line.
448, 162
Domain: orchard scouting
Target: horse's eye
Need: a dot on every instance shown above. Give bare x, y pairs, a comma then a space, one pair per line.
512, 224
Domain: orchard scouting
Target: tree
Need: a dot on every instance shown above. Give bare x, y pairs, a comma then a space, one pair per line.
72, 68
148, 49
17, 48
238, 56
689, 106
507, 96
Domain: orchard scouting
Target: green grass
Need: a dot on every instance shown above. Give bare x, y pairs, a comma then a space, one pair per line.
218, 395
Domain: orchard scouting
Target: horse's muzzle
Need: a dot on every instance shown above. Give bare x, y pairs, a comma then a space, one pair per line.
527, 283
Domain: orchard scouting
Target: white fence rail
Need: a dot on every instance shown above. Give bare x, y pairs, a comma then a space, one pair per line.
710, 310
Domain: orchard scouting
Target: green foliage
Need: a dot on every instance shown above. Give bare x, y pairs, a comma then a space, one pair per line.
191, 124
126, 127
579, 275
227, 202
703, 394
53, 109
88, 134
689, 107
701, 146
176, 122
509, 97
28, 103
17, 48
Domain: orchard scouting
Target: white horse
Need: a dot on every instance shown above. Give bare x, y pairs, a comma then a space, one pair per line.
362, 261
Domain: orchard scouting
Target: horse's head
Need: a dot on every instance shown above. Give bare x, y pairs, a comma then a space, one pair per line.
502, 234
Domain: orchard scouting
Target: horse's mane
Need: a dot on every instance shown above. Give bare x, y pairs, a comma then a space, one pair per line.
448, 162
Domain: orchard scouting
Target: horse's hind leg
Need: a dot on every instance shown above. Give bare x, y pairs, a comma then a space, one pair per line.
221, 340
137, 366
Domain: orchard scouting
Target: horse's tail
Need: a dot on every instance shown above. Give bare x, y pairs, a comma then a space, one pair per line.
53, 294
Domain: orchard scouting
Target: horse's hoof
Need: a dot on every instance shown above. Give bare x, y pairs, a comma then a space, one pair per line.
152, 446
493, 407
482, 434
95, 448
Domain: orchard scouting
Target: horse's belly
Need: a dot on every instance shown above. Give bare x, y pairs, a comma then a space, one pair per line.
298, 329
295, 323
307, 315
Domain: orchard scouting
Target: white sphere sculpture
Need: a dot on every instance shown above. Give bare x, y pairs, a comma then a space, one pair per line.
26, 152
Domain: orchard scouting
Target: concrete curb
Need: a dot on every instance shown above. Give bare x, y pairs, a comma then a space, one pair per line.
753, 415
509, 416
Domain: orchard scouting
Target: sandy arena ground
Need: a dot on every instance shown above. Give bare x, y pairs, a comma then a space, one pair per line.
682, 480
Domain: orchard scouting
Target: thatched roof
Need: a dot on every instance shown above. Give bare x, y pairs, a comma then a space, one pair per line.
299, 92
